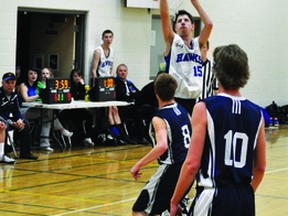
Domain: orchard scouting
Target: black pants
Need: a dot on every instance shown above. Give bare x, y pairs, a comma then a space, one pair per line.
24, 138
134, 114
79, 121
188, 104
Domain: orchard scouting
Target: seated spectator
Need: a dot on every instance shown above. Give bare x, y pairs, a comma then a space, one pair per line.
46, 73
148, 95
79, 118
116, 127
17, 71
28, 92
10, 113
109, 122
127, 91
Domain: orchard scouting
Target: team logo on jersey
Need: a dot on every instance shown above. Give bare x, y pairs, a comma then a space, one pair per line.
236, 106
186, 57
107, 63
179, 45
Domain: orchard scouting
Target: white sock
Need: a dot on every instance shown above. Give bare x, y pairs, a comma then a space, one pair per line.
1, 149
67, 133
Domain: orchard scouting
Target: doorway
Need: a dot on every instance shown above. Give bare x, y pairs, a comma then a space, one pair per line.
50, 39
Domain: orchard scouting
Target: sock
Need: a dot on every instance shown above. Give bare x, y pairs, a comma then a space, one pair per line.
1, 149
114, 130
67, 133
121, 130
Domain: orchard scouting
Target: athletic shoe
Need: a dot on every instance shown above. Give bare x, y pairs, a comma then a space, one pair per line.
120, 141
66, 133
165, 213
130, 140
47, 148
88, 142
184, 206
143, 141
6, 159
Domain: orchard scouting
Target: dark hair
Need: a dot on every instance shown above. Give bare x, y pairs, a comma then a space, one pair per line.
231, 66
75, 71
165, 86
107, 31
181, 13
24, 77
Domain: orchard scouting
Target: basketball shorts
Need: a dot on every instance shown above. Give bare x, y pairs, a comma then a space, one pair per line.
236, 200
156, 195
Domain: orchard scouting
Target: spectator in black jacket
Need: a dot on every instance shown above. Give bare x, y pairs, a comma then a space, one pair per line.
80, 119
127, 91
148, 95
10, 112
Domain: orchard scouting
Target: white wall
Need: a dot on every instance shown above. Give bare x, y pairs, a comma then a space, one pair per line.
258, 26
8, 22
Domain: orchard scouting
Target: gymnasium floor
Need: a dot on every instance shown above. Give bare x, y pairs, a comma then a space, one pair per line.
96, 181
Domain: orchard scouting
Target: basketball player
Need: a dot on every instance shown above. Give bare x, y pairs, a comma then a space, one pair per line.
103, 57
170, 133
227, 149
182, 52
102, 66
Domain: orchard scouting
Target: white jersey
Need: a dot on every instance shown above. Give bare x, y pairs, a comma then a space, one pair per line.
106, 62
185, 65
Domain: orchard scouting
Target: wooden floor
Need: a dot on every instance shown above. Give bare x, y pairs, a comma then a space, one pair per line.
96, 181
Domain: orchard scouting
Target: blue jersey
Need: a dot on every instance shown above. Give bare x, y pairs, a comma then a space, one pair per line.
233, 124
178, 127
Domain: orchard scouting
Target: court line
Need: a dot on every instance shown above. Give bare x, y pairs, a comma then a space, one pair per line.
277, 170
95, 207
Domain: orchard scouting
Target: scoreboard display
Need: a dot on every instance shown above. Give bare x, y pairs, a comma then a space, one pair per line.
57, 91
104, 89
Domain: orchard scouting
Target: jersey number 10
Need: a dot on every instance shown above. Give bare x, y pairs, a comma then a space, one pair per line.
232, 140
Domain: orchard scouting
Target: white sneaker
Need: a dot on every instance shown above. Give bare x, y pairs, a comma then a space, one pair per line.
47, 148
184, 204
67, 133
165, 213
6, 159
88, 142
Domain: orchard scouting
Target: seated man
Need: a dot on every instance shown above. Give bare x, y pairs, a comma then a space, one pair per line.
9, 111
127, 91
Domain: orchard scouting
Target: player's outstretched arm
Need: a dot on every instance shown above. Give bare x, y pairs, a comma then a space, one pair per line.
167, 29
208, 24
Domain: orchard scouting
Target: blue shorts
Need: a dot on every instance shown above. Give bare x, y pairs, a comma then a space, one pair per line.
156, 195
236, 200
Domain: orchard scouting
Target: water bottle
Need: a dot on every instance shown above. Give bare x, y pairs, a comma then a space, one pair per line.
87, 88
276, 122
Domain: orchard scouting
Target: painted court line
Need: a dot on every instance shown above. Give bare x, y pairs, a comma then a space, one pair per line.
95, 207
277, 170
131, 199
